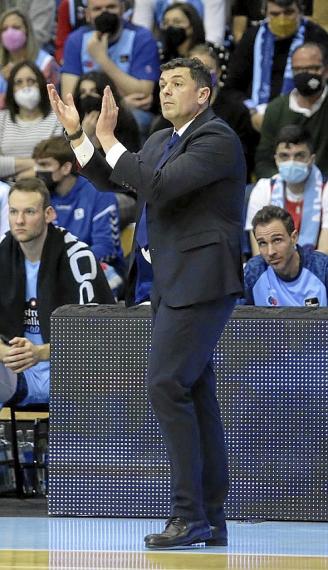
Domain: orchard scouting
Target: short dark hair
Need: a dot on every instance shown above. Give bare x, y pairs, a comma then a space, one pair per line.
285, 3
54, 147
32, 184
44, 100
198, 71
195, 21
321, 47
269, 213
294, 134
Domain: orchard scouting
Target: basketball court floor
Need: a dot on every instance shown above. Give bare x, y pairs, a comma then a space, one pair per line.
117, 544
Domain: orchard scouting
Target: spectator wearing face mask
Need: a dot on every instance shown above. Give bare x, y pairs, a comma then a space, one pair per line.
149, 13
17, 44
298, 187
87, 97
26, 120
260, 68
181, 29
42, 16
306, 105
128, 54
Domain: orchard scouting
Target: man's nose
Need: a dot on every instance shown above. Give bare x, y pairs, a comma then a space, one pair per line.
20, 218
167, 89
271, 249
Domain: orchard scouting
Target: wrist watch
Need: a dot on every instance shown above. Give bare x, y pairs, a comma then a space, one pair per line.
75, 135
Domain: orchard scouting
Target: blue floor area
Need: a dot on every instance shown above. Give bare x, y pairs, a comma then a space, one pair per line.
78, 534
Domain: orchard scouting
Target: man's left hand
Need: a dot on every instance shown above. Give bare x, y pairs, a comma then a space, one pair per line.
107, 120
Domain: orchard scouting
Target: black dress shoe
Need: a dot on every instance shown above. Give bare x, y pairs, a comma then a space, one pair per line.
219, 536
179, 532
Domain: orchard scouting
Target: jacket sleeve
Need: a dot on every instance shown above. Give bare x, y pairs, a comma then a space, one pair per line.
98, 171
210, 155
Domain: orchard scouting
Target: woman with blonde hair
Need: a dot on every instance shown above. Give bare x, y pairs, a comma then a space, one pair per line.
18, 43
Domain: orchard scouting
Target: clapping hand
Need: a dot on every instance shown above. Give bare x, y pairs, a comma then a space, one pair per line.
107, 120
67, 113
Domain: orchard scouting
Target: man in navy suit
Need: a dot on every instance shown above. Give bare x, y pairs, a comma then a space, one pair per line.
191, 198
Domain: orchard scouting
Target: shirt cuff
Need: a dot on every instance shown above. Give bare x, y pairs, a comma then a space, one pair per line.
84, 151
115, 153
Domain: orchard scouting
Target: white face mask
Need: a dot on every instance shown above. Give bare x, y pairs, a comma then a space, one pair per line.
28, 97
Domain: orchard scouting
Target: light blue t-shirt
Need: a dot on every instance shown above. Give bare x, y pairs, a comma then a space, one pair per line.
263, 287
37, 376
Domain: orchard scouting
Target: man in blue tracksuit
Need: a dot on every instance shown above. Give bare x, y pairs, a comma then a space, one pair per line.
284, 274
90, 215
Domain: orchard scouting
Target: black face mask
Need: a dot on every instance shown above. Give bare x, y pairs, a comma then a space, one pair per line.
173, 37
90, 103
107, 23
46, 176
308, 83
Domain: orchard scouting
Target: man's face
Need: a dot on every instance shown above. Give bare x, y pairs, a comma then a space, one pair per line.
97, 7
28, 220
283, 22
291, 11
52, 165
308, 59
276, 246
296, 152
181, 98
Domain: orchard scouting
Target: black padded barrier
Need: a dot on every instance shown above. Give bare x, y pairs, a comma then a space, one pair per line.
106, 454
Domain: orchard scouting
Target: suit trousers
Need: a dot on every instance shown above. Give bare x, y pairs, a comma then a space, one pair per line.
182, 390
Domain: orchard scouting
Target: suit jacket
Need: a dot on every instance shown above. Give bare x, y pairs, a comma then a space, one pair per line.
194, 209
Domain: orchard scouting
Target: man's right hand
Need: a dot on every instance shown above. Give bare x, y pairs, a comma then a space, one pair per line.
67, 113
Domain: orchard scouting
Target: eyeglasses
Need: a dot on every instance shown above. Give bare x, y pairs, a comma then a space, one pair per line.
300, 156
307, 69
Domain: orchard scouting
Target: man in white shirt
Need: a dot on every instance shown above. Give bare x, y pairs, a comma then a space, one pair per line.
298, 186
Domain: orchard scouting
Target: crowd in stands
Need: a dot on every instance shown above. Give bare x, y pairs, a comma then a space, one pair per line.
269, 66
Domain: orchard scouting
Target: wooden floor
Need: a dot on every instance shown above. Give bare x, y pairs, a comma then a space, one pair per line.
48, 543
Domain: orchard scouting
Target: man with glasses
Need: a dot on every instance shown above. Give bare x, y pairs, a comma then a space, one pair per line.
306, 105
298, 186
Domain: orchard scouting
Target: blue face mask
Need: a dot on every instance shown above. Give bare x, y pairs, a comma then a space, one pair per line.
293, 171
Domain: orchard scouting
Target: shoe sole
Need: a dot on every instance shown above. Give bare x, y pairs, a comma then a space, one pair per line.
216, 542
198, 540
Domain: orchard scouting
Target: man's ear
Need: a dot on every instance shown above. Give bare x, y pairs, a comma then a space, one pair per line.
67, 168
204, 95
294, 237
312, 159
50, 214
